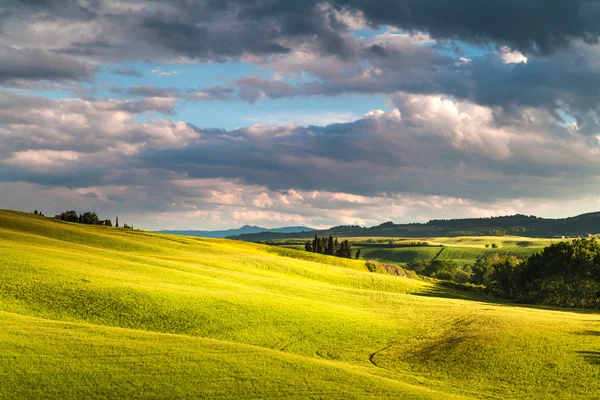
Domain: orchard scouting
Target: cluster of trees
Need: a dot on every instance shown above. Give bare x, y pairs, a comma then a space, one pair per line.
565, 274
442, 269
330, 246
88, 218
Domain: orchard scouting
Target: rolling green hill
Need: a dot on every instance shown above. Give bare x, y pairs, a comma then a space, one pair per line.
461, 250
95, 312
517, 225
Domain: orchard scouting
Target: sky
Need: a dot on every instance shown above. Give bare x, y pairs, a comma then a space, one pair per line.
212, 114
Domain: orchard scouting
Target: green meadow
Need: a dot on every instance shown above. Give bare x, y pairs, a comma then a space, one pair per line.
95, 312
462, 250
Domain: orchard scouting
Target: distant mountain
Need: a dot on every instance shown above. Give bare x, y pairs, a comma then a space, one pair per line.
516, 225
244, 230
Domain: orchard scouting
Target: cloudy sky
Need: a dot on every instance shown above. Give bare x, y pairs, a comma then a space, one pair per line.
210, 114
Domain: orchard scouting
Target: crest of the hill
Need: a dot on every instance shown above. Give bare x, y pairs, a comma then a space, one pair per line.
514, 225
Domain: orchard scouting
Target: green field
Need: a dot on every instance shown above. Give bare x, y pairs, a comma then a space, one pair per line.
462, 250
94, 312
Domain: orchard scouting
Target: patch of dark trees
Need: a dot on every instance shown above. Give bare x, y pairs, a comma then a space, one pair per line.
565, 274
87, 218
330, 246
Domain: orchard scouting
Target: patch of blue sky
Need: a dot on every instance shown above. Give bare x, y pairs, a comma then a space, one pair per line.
454, 49
457, 50
369, 32
567, 118
181, 76
306, 111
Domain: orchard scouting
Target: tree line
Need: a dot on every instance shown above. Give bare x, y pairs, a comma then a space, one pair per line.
87, 218
565, 274
330, 246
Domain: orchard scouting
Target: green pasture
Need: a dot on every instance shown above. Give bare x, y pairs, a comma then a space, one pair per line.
462, 250
94, 312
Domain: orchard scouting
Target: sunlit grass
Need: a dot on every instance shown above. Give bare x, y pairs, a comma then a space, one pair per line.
93, 312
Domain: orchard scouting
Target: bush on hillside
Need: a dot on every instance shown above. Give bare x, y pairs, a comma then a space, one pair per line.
442, 269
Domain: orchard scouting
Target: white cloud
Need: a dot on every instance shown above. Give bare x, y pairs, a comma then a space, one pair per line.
511, 56
262, 201
43, 159
220, 210
428, 156
304, 118
160, 72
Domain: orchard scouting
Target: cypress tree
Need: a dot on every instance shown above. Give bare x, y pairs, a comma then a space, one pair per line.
330, 246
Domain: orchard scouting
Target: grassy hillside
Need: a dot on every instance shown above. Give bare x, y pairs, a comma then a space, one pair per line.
94, 312
462, 250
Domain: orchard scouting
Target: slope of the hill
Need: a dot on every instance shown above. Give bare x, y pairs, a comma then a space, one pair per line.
244, 230
518, 225
94, 312
460, 250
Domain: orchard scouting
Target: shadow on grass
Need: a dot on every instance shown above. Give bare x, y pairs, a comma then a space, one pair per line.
507, 303
592, 357
442, 291
445, 291
588, 333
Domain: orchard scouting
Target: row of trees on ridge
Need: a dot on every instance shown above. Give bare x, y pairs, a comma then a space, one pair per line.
330, 246
87, 218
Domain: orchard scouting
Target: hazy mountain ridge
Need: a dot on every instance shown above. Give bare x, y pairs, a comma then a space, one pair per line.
244, 230
516, 225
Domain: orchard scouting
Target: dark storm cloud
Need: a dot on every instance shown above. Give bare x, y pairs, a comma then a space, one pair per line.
215, 29
52, 8
92, 175
116, 198
39, 65
533, 26
526, 25
229, 29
